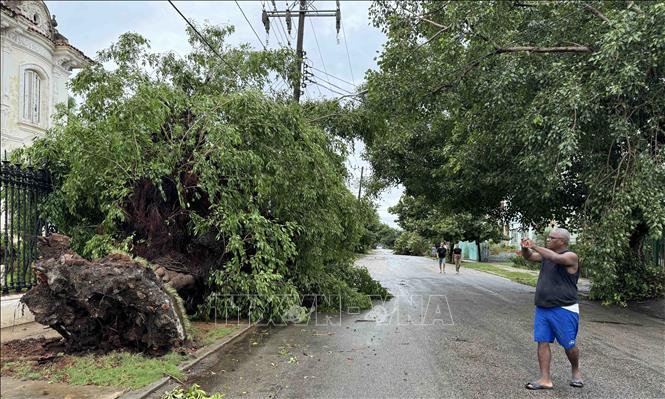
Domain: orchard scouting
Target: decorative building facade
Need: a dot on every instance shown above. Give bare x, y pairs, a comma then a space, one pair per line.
36, 64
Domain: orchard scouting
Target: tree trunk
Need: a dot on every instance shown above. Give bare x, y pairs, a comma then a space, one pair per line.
636, 242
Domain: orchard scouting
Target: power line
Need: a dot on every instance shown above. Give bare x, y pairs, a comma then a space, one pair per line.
209, 45
348, 56
320, 54
332, 76
316, 39
332, 84
325, 87
250, 25
351, 96
305, 76
287, 37
279, 43
204, 39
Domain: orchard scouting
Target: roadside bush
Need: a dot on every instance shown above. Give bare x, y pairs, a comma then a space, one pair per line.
410, 243
360, 279
519, 262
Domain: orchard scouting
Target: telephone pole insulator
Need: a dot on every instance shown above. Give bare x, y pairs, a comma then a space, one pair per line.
266, 21
338, 18
288, 20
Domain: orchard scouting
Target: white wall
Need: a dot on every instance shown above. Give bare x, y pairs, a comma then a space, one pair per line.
21, 50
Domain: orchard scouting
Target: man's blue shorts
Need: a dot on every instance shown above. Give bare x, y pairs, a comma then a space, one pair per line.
559, 323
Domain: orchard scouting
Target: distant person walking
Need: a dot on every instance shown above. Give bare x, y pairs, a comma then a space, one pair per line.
441, 251
457, 257
557, 308
434, 251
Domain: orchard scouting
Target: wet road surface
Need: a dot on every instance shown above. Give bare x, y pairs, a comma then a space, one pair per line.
442, 336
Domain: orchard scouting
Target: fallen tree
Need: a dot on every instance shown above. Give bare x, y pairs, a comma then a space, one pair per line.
235, 195
116, 302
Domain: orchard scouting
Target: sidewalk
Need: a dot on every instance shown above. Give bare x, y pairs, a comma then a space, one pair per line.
28, 330
19, 389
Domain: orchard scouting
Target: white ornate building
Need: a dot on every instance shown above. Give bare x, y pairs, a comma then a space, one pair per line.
36, 64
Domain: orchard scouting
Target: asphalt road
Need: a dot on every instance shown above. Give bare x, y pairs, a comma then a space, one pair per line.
457, 336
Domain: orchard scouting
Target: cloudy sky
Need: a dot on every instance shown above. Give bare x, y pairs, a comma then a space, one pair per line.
93, 25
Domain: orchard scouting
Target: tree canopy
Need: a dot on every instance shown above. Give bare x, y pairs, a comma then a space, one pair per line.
418, 215
534, 112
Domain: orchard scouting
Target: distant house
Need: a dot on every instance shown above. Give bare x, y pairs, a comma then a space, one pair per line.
36, 64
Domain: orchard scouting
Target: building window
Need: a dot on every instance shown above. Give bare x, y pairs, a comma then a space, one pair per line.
31, 96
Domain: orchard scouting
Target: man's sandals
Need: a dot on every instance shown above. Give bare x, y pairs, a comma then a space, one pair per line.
534, 386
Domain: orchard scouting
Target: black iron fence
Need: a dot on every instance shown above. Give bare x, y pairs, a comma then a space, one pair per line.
21, 191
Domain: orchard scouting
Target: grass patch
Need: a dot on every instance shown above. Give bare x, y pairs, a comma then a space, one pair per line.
518, 277
217, 333
117, 369
206, 333
127, 370
22, 369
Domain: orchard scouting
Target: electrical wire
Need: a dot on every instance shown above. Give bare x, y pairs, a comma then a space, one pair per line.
332, 84
332, 76
348, 56
209, 45
250, 25
287, 37
316, 39
204, 39
325, 87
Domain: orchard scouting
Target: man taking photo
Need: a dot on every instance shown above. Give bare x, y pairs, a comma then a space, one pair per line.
557, 309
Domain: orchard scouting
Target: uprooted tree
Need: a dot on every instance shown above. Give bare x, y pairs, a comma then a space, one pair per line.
236, 198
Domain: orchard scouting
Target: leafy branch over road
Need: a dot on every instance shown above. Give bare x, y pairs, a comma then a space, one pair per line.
531, 112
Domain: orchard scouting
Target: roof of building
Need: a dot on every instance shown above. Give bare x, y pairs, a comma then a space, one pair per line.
39, 20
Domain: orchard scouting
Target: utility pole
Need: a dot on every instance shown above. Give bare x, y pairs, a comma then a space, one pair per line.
299, 53
360, 184
303, 12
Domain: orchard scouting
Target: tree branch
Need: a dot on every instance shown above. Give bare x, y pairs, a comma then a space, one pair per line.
470, 66
521, 4
597, 13
431, 38
431, 22
425, 19
631, 4
561, 49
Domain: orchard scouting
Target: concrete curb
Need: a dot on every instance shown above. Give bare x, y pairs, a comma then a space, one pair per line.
204, 353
